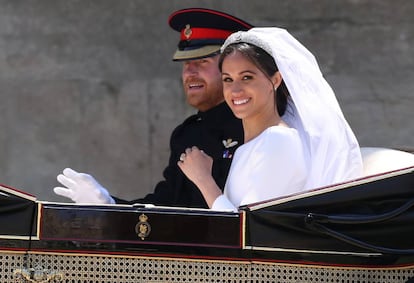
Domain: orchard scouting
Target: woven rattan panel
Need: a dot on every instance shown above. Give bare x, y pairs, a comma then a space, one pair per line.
103, 268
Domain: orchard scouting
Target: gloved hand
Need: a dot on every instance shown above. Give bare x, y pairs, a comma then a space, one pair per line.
82, 188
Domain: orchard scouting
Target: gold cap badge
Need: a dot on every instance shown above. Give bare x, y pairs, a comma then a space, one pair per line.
187, 31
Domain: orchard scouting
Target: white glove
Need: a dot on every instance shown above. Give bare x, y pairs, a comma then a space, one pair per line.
82, 188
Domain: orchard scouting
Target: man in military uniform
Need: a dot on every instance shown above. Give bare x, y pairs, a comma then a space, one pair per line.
213, 129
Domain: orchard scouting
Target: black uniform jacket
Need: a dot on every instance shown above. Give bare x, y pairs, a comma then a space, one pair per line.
216, 132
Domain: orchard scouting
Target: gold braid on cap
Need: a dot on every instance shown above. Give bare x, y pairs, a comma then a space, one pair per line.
246, 37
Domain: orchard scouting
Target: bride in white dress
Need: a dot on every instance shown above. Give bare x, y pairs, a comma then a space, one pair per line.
296, 137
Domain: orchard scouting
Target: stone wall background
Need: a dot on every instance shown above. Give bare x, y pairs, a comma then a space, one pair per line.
90, 84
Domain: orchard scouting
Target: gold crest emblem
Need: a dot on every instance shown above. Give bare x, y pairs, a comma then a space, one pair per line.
143, 228
187, 31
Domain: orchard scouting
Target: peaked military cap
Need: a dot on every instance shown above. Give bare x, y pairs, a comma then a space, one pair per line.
203, 31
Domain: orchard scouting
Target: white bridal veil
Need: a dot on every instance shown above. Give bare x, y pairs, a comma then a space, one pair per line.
333, 151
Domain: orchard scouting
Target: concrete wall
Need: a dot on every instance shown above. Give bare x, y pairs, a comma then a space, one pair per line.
90, 84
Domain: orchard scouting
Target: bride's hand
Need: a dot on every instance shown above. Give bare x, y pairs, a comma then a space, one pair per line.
196, 165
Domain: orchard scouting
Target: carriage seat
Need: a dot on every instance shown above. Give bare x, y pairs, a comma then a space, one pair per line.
378, 160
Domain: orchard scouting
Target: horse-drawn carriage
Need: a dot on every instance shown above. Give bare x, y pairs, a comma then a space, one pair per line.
359, 231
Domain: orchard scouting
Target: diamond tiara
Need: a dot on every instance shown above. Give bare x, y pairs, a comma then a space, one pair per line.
245, 36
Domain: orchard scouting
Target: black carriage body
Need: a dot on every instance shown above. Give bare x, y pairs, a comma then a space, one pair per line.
365, 225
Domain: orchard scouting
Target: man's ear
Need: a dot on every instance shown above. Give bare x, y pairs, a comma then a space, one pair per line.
276, 79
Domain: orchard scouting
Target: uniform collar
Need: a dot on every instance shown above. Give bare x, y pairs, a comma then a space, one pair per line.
219, 113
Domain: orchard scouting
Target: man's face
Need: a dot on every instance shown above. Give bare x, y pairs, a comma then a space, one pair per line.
202, 83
